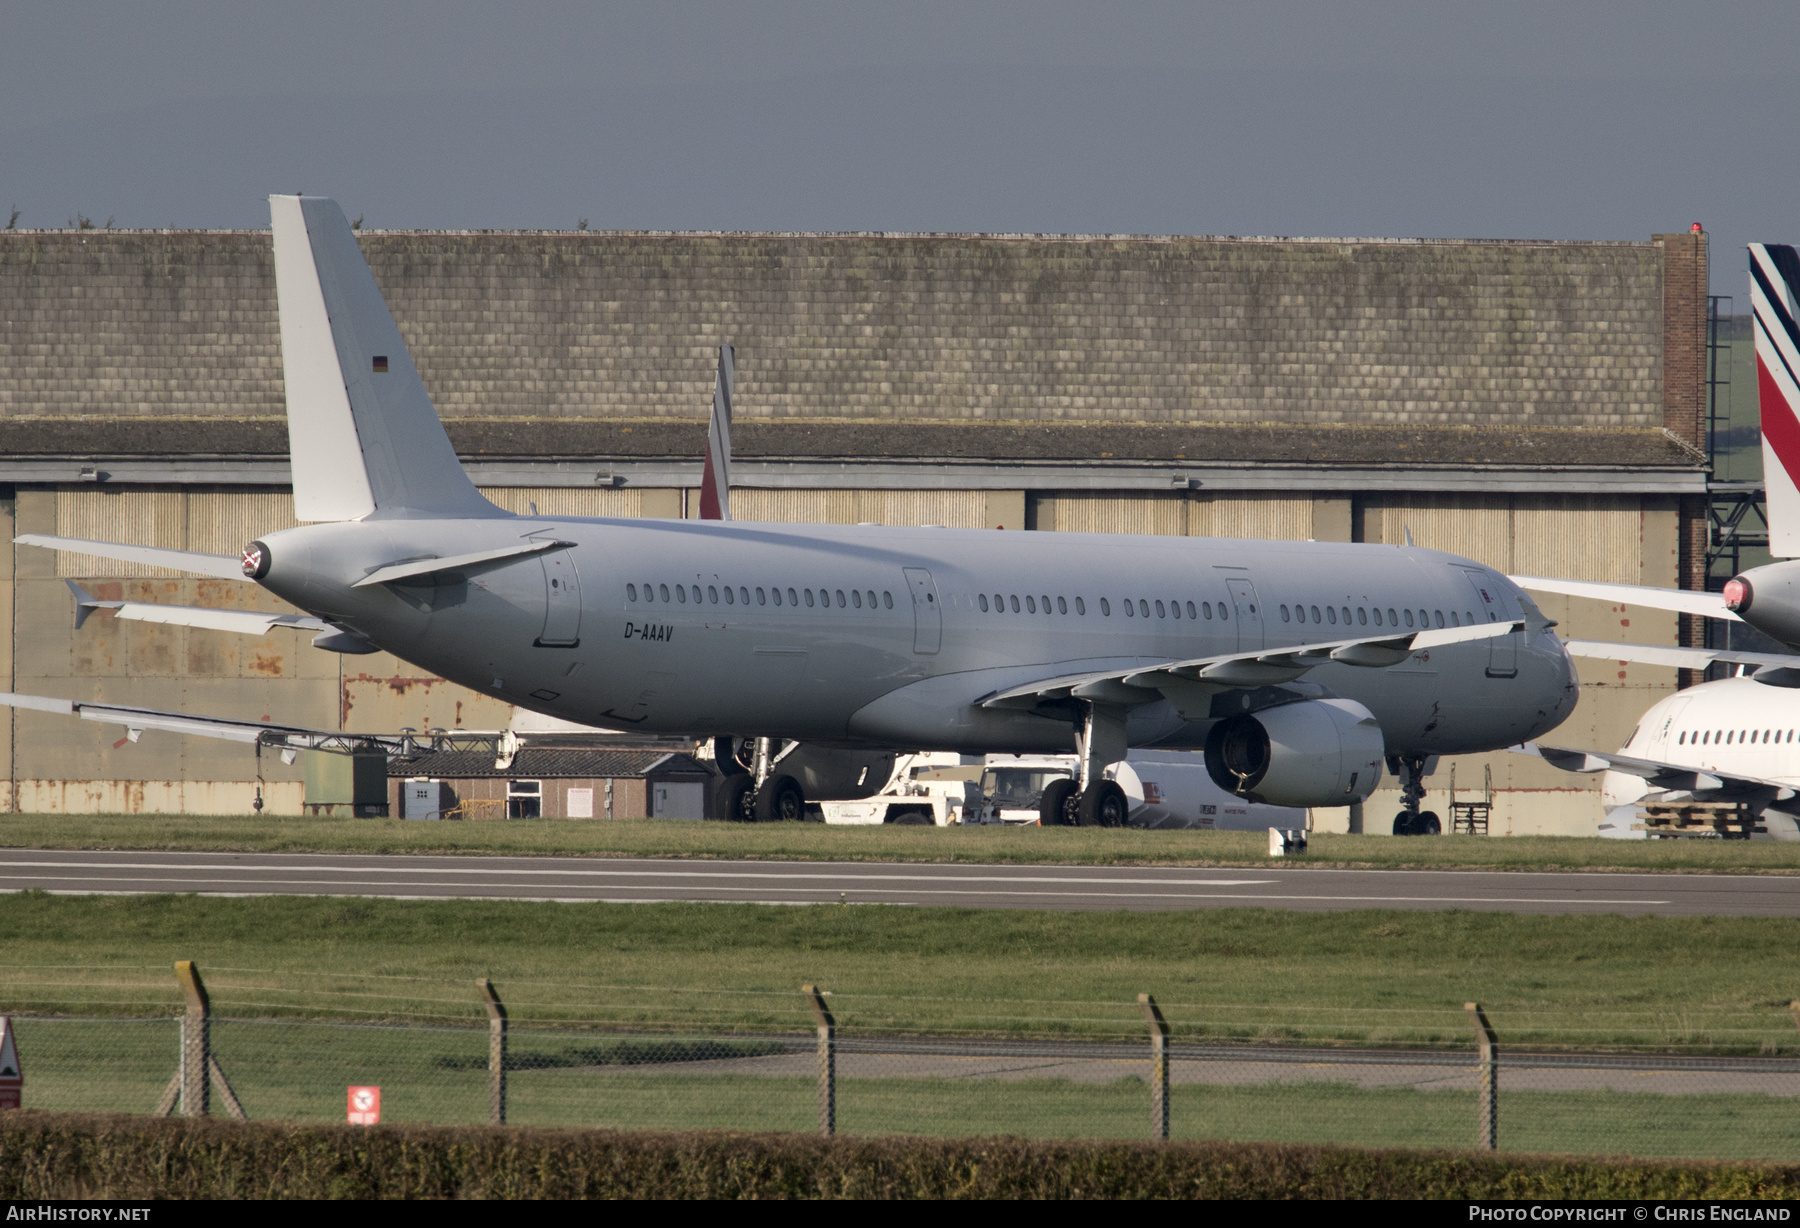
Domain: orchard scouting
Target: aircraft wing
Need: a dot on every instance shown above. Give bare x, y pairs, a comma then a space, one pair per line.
1668, 777
1775, 669
136, 720
1145, 684
218, 566
1682, 601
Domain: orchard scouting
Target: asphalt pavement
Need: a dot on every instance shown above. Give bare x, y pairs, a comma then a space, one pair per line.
1140, 889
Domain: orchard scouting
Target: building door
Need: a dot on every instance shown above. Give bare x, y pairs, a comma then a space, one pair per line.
1249, 614
678, 799
562, 601
928, 615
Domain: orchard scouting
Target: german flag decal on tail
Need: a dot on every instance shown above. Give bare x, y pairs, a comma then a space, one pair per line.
1774, 278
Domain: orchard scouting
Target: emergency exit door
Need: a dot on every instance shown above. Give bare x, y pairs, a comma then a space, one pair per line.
928, 614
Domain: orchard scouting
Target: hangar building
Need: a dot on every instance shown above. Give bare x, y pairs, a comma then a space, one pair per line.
1538, 406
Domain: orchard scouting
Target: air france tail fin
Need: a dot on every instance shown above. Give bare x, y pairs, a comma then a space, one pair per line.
362, 434
1774, 279
715, 483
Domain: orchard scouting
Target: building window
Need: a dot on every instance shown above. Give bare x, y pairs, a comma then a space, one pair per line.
524, 799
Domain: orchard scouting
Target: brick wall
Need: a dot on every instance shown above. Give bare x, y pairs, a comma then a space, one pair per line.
1684, 398
560, 325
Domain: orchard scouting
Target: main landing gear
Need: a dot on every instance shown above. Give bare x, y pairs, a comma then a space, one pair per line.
759, 793
1412, 821
1095, 801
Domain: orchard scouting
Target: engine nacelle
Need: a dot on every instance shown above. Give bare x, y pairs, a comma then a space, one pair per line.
828, 775
1768, 598
1320, 752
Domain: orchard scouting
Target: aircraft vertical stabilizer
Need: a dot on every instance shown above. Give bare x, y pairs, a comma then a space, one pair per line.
362, 434
1774, 277
715, 483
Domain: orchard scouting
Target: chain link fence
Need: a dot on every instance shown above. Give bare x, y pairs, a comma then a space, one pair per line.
800, 1061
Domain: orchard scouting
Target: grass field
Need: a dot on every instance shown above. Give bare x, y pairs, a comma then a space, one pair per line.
812, 841
299, 1072
1359, 977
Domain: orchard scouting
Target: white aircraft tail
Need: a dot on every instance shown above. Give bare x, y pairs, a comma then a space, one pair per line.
1774, 278
715, 483
362, 434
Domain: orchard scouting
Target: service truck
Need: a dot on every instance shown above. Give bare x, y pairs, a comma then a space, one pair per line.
1164, 789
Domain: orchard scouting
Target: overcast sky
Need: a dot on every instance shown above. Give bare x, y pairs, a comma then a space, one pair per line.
1522, 120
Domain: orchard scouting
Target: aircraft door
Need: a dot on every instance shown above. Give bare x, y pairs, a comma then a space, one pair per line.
1249, 614
1503, 652
928, 615
562, 601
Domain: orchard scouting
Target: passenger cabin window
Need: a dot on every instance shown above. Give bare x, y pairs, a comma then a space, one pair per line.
1062, 606
631, 592
1080, 606
1285, 616
1331, 613
1143, 607
1130, 610
664, 590
1190, 609
1105, 607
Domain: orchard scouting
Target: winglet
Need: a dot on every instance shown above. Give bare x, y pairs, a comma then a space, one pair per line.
715, 483
85, 603
362, 434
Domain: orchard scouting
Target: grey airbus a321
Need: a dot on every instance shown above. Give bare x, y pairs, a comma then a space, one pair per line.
813, 652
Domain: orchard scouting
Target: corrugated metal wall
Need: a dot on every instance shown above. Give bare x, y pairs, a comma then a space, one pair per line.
567, 501
956, 509
1577, 537
1265, 516
1282, 517
1166, 515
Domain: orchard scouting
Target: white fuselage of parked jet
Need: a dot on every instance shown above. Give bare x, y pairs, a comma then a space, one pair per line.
1735, 728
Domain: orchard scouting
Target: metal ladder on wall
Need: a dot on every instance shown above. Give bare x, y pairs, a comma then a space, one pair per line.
1471, 818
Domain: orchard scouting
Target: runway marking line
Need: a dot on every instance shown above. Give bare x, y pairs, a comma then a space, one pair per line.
1080, 895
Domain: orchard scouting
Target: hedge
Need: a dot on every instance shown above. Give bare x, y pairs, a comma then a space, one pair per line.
53, 1155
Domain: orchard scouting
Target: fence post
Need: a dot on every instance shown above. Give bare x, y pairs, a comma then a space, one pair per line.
827, 1060
1159, 1066
196, 1041
1487, 1126
496, 1053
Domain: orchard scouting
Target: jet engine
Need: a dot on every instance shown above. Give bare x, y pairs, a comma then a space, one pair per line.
1320, 752
1768, 598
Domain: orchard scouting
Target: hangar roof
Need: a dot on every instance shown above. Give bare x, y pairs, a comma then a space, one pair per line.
1047, 356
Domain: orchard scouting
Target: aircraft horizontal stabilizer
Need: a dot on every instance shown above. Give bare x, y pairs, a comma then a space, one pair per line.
419, 568
1679, 600
1775, 669
218, 566
1708, 784
1144, 684
243, 622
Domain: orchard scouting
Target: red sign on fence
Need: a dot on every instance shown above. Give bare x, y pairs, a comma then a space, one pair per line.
12, 1080
365, 1106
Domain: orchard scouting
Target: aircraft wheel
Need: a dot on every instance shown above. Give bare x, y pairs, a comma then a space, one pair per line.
1429, 825
1102, 804
780, 800
737, 798
1403, 825
1053, 809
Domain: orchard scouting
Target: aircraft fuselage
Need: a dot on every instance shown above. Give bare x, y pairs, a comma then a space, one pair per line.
870, 635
